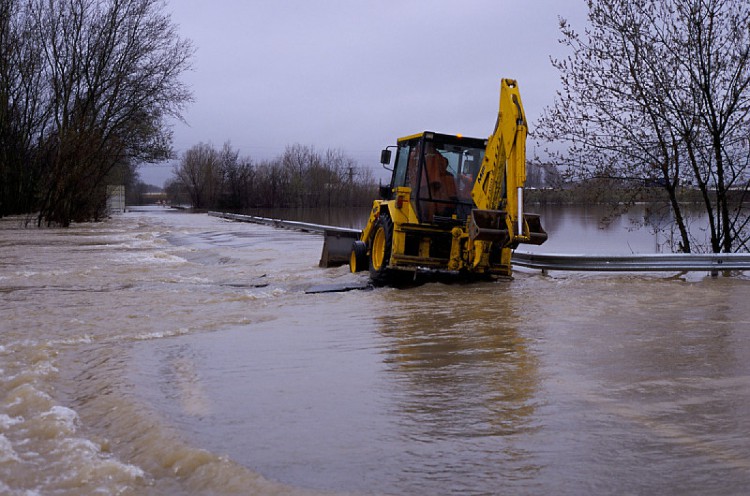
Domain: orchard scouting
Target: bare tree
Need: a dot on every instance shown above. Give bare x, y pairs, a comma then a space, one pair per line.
22, 110
298, 161
237, 175
659, 93
199, 172
96, 80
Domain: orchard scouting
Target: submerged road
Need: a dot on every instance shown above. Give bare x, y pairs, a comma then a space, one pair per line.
656, 262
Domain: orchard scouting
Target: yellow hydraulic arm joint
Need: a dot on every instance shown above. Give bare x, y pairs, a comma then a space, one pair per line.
500, 182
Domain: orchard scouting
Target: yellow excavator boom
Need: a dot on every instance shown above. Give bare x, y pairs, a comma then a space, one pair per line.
501, 179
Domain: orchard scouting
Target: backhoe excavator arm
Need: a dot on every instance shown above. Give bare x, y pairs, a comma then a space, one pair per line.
499, 184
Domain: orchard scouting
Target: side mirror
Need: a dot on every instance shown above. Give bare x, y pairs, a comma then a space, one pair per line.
385, 157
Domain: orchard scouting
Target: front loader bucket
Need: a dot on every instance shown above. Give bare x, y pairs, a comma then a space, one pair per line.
537, 234
337, 246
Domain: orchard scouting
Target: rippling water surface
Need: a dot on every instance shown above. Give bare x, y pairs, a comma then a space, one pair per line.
172, 353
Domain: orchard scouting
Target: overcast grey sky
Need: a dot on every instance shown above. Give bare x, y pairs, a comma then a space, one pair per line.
355, 75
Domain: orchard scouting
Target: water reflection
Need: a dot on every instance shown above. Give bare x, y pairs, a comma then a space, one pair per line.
463, 382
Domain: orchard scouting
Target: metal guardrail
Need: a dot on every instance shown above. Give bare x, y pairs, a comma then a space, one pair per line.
664, 262
337, 241
285, 224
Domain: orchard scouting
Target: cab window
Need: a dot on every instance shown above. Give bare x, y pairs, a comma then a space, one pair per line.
399, 172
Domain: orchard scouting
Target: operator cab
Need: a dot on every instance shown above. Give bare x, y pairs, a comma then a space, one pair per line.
441, 170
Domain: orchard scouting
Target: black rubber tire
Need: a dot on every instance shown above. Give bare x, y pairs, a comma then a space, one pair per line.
358, 258
380, 250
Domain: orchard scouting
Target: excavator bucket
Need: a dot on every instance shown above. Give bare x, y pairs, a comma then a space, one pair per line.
337, 246
536, 232
490, 225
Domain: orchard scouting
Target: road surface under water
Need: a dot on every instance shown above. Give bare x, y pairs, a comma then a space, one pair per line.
172, 353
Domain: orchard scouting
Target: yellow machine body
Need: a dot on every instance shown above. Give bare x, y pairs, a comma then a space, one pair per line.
454, 203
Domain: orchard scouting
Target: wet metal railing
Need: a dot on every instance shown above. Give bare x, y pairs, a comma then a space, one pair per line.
285, 224
712, 262
337, 241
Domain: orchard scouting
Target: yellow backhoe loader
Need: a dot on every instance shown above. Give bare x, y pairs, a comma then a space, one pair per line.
454, 203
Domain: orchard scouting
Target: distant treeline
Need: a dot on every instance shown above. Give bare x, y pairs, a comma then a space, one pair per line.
210, 178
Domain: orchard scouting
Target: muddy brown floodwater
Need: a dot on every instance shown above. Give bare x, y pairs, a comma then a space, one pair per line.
172, 353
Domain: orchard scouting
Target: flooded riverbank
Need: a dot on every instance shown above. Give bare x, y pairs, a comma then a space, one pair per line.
170, 353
